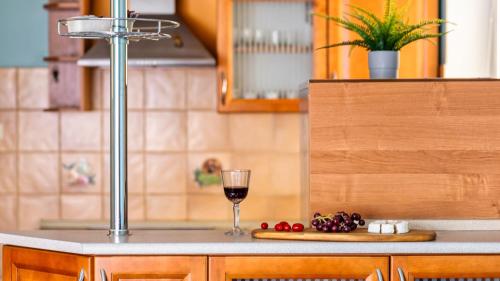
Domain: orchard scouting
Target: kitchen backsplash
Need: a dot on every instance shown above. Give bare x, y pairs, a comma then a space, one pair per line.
55, 164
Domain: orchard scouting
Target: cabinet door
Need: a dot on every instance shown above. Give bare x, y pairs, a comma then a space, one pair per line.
445, 268
151, 268
22, 264
299, 268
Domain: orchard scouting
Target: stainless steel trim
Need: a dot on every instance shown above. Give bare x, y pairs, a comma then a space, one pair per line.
223, 88
401, 274
380, 277
118, 125
81, 276
103, 275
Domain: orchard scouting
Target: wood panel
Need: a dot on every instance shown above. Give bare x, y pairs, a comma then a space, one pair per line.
152, 268
473, 266
22, 264
405, 149
228, 268
418, 60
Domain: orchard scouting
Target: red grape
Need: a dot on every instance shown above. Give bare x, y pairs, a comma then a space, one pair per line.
286, 227
264, 225
278, 227
297, 227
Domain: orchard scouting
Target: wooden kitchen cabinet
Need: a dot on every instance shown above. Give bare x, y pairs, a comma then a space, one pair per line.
310, 267
154, 268
22, 264
265, 50
420, 268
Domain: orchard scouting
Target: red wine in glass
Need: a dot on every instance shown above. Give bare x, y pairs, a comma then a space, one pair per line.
236, 194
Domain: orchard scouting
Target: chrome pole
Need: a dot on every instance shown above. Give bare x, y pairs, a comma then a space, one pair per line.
118, 124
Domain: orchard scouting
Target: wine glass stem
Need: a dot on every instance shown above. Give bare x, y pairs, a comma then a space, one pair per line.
236, 213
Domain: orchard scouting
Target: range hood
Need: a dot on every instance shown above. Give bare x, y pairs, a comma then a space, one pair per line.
184, 50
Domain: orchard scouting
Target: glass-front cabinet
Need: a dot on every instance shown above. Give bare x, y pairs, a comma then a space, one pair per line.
266, 52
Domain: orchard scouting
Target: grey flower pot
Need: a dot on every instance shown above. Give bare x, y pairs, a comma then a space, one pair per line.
383, 64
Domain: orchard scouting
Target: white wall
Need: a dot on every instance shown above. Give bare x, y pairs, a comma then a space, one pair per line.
471, 47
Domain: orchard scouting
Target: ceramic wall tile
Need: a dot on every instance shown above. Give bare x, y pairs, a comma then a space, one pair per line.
252, 132
285, 174
135, 88
287, 132
33, 88
8, 131
8, 173
8, 216
135, 131
81, 207
38, 131
81, 131
165, 131
38, 173
8, 88
286, 208
260, 164
166, 173
208, 131
135, 172
197, 170
136, 211
165, 88
210, 207
33, 208
166, 207
202, 88
81, 172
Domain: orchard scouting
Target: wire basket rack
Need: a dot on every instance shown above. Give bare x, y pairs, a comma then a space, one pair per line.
133, 29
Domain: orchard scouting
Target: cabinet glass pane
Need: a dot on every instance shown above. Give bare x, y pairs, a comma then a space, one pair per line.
272, 48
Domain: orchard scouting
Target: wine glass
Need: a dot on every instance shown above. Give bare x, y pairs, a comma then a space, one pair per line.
235, 183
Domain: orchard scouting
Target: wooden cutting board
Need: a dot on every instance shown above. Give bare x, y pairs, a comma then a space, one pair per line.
360, 235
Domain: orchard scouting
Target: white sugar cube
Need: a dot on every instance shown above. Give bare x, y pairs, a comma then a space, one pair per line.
387, 228
402, 227
374, 227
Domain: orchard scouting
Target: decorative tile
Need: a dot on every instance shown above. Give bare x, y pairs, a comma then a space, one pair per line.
202, 88
81, 207
208, 131
34, 208
285, 174
165, 88
251, 132
166, 207
260, 164
135, 88
80, 131
38, 173
135, 131
287, 132
8, 212
38, 131
135, 207
7, 88
165, 131
135, 172
8, 131
33, 88
81, 172
7, 173
195, 163
211, 207
166, 173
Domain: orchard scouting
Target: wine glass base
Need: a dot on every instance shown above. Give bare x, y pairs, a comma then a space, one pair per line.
235, 232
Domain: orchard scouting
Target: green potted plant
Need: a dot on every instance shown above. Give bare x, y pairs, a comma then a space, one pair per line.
383, 37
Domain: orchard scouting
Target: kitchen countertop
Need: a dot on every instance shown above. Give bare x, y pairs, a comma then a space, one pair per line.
214, 242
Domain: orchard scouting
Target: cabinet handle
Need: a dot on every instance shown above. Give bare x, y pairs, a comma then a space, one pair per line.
223, 88
81, 276
103, 275
401, 274
380, 277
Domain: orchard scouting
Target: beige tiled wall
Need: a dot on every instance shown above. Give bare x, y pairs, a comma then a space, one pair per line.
173, 128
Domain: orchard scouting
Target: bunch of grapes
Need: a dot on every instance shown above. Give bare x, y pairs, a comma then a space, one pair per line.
340, 222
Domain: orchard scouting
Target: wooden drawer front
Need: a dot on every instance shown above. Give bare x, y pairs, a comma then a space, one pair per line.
298, 268
59, 45
154, 268
22, 264
445, 268
65, 84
